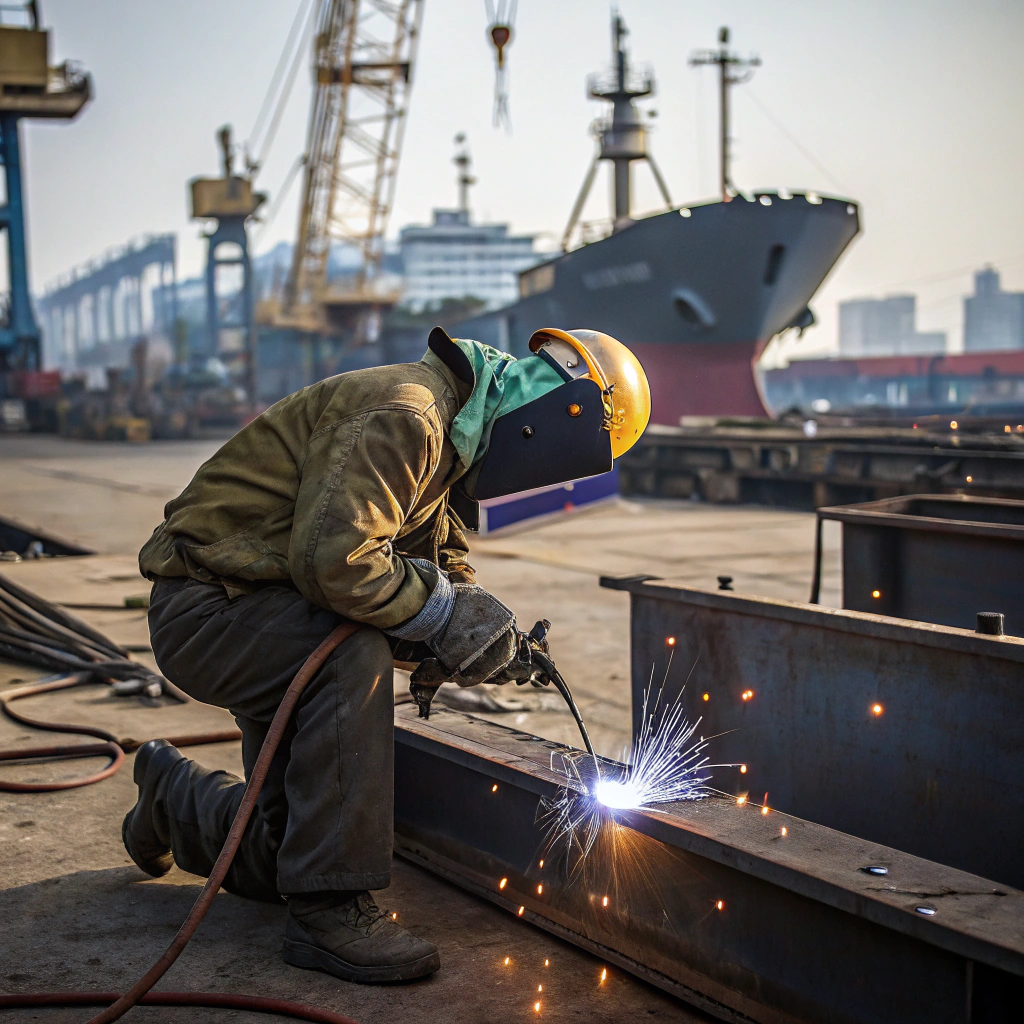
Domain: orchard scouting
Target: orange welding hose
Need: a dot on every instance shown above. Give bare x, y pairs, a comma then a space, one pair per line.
219, 1000
252, 790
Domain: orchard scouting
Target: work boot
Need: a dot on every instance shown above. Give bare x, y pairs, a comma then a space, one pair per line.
148, 845
349, 936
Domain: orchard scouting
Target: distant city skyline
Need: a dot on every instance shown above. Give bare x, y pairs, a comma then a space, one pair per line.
914, 110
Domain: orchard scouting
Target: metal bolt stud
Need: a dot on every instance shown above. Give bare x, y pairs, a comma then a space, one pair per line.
991, 623
527, 432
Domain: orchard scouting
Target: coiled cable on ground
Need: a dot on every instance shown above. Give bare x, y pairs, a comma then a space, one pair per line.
36, 632
140, 992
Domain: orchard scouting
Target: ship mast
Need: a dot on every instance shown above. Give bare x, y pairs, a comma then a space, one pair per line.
732, 70
622, 138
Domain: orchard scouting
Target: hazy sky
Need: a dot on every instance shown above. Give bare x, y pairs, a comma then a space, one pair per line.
915, 108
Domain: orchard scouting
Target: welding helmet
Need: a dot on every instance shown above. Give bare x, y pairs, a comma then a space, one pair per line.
575, 430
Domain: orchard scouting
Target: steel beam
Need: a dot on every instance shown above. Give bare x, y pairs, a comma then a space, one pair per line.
934, 558
934, 771
710, 900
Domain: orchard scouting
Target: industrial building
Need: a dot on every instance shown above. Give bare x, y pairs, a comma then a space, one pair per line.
453, 258
885, 327
993, 319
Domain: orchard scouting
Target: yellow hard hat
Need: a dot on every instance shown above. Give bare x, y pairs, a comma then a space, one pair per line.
614, 368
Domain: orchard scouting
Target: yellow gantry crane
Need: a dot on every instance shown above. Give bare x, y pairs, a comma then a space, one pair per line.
363, 56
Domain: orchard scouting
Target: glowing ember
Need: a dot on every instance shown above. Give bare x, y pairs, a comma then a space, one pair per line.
394, 916
743, 769
707, 696
741, 800
876, 709
876, 593
536, 1006
784, 831
503, 883
604, 902
506, 961
521, 911
547, 962
540, 988
604, 973
494, 788
540, 890
541, 862
670, 640
747, 694
764, 810
720, 905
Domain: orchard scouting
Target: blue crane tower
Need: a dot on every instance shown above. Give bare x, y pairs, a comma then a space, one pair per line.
29, 87
229, 201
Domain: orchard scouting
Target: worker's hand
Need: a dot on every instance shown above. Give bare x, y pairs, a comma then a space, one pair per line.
479, 640
532, 663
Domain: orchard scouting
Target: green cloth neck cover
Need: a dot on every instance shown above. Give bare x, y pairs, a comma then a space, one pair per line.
501, 384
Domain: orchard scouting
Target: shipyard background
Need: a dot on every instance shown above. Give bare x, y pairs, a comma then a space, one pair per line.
822, 565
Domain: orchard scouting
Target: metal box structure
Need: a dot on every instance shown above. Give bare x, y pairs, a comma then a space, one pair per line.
902, 733
934, 558
23, 57
224, 197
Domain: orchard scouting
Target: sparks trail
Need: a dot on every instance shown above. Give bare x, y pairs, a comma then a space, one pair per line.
666, 764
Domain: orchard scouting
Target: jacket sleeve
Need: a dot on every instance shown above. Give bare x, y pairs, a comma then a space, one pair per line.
453, 553
360, 481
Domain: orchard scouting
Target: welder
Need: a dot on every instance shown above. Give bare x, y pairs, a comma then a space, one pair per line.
351, 499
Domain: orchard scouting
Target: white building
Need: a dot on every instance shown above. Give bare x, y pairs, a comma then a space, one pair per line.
455, 259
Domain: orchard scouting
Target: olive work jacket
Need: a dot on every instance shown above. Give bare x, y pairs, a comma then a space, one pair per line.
332, 491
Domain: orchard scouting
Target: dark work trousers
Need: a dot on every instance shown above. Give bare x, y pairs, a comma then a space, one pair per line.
324, 818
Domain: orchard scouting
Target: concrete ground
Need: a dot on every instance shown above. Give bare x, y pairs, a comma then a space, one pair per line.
77, 914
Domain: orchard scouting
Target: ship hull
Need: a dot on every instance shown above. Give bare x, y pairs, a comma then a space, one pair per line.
696, 297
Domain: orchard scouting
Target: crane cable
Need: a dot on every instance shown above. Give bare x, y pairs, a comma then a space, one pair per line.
280, 88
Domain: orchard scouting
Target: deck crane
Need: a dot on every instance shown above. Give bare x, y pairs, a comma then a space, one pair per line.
363, 55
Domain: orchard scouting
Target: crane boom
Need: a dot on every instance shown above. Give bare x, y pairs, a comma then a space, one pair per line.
363, 54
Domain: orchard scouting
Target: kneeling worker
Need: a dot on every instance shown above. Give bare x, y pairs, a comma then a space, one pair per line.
349, 499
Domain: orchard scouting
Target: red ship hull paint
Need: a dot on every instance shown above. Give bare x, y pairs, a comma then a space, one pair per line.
700, 380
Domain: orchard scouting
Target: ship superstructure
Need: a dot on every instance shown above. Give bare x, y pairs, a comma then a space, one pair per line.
697, 291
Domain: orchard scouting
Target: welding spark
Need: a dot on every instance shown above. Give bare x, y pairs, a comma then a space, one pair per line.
666, 764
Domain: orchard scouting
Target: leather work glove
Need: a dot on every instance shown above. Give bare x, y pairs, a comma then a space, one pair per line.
479, 643
479, 639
